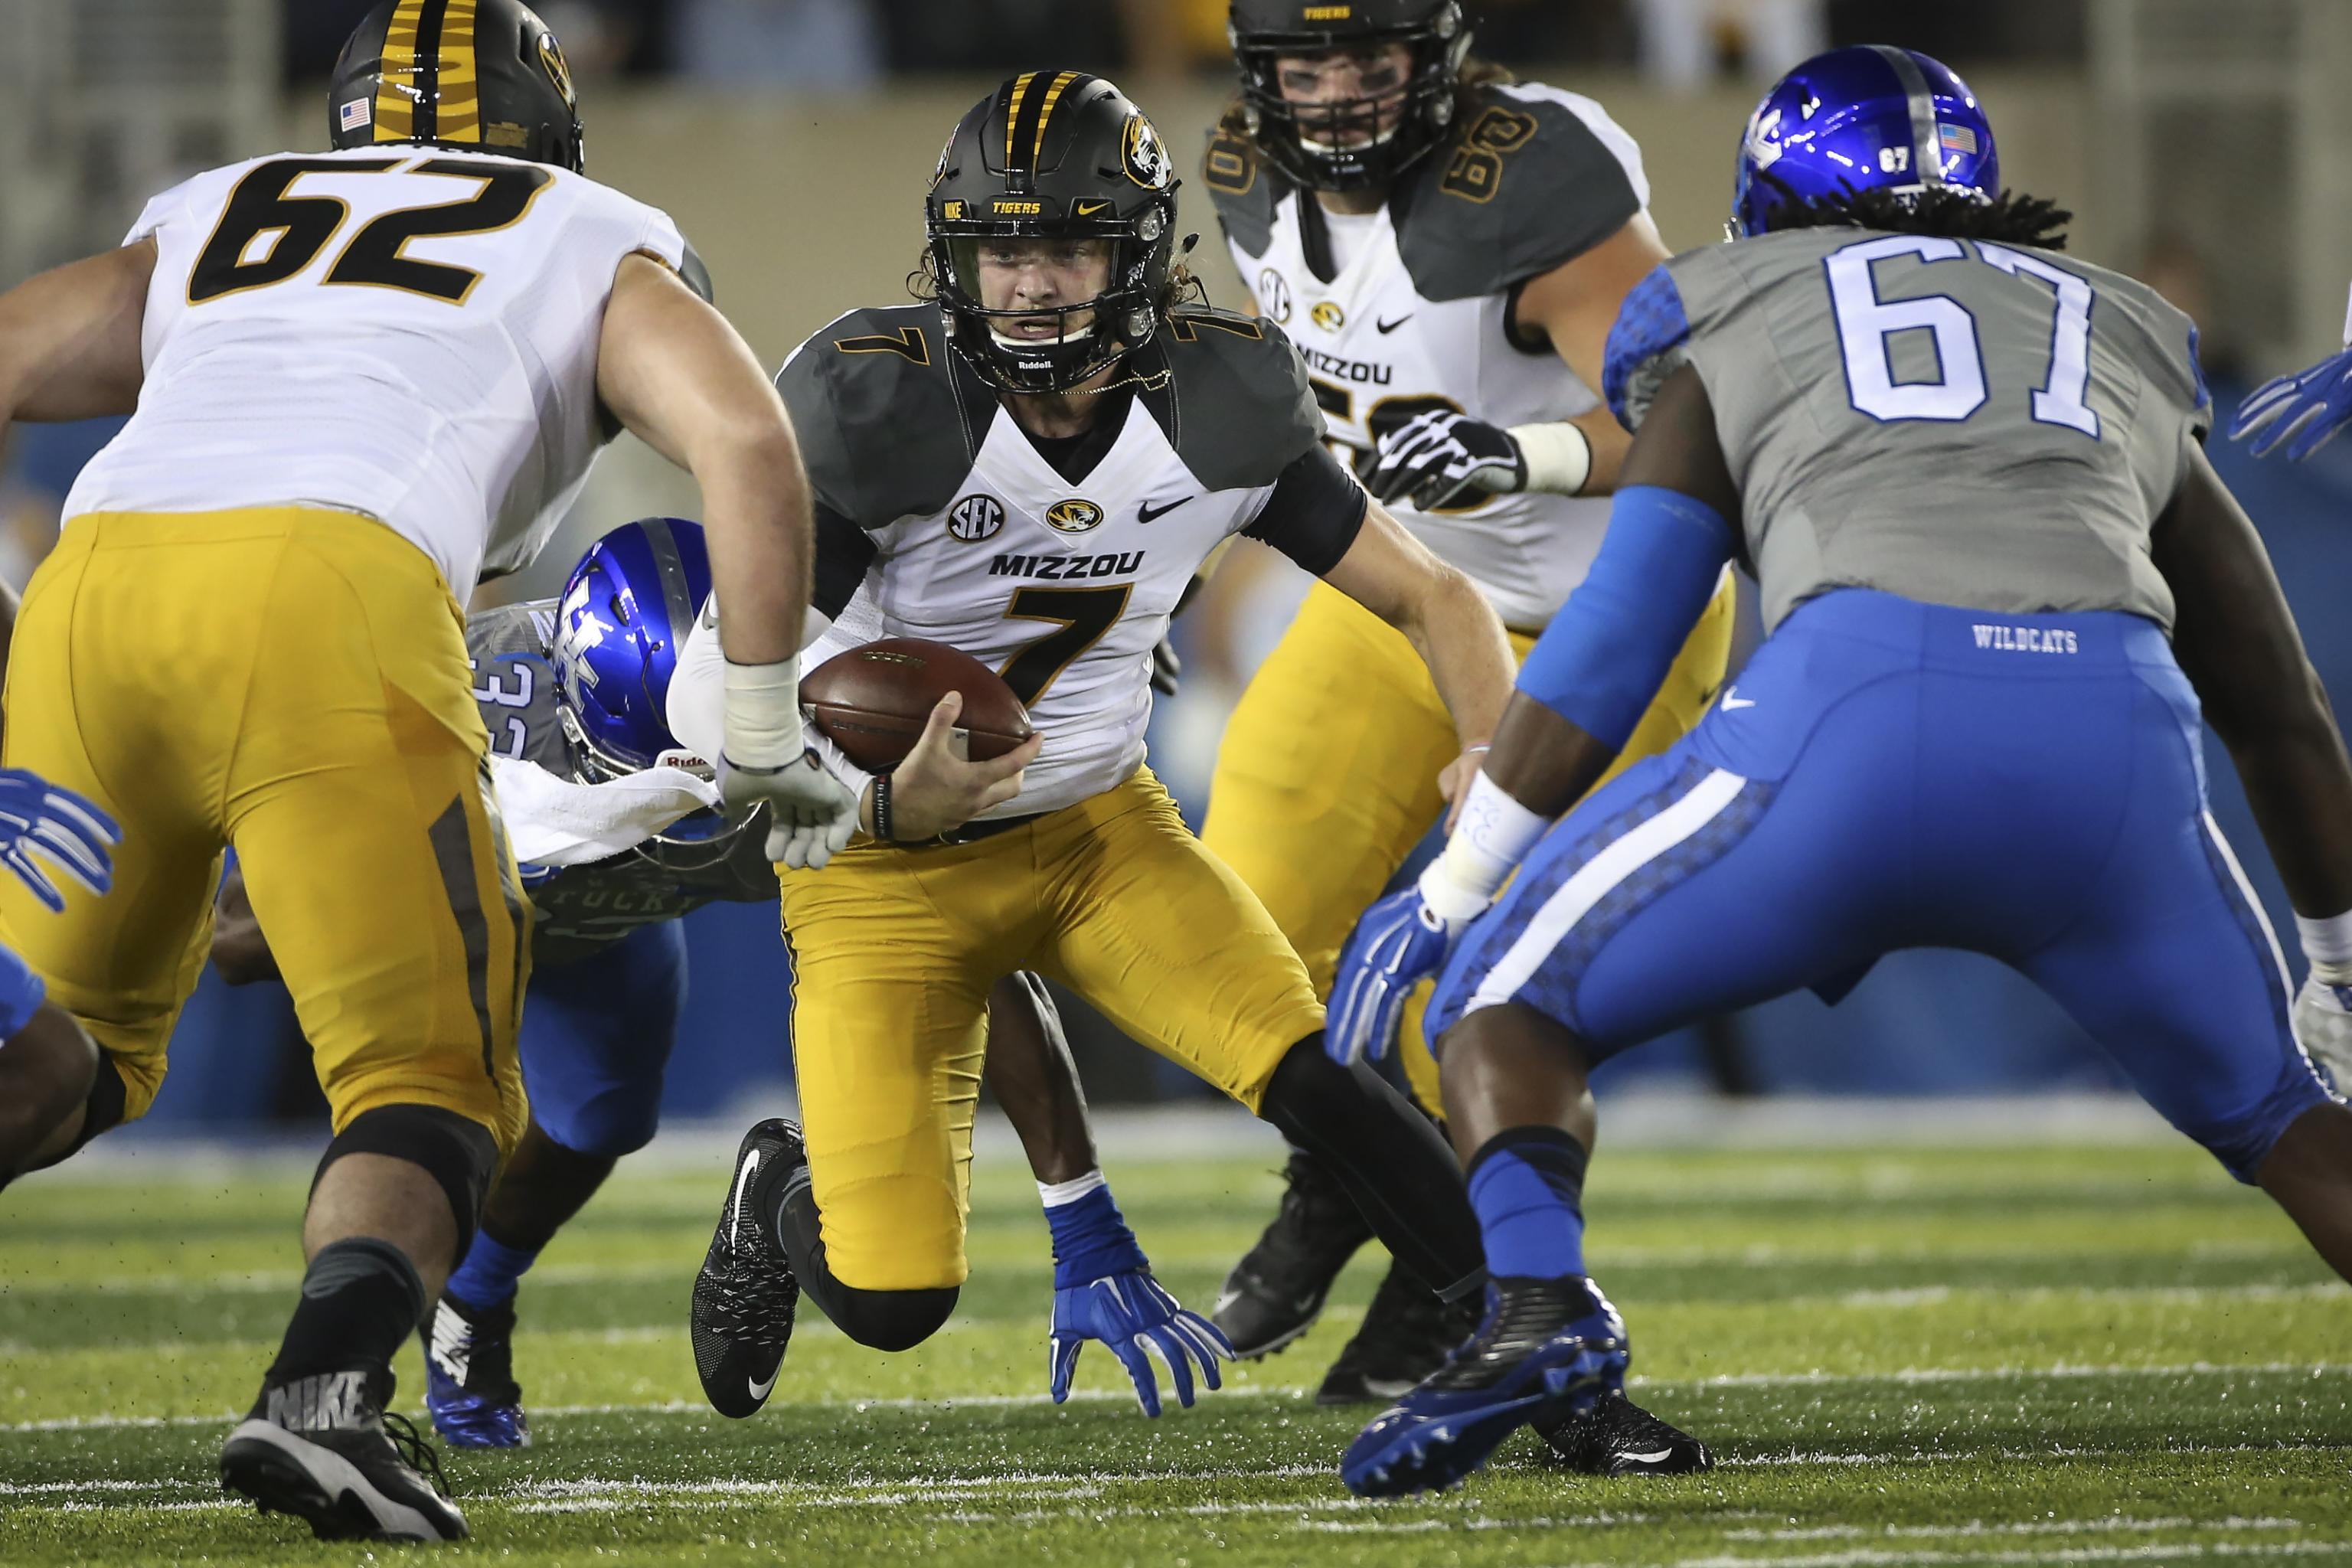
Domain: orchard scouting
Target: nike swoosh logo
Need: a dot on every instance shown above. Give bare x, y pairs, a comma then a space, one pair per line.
1655, 1457
735, 1201
1732, 700
760, 1390
1385, 328
1224, 1300
1088, 209
1147, 512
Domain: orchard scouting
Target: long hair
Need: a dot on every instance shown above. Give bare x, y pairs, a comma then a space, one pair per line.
1477, 72
1945, 211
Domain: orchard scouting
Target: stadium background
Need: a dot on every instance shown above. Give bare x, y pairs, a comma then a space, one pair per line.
791, 139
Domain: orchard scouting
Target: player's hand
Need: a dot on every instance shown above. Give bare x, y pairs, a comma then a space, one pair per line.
68, 832
2309, 408
1134, 1315
1441, 458
1399, 942
1453, 783
811, 813
936, 790
2322, 1021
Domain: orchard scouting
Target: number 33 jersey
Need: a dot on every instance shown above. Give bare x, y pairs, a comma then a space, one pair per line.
407, 332
939, 517
1420, 312
1955, 421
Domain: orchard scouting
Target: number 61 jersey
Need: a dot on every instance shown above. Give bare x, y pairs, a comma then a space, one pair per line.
410, 332
1955, 421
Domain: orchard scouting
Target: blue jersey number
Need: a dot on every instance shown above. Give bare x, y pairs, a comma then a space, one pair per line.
1865, 322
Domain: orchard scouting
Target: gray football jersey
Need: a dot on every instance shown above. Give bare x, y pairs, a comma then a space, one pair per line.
1958, 422
585, 908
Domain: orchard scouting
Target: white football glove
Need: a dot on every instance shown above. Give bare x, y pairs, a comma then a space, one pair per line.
811, 813
2322, 1021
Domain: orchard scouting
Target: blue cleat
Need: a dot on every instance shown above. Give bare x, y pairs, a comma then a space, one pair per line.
1548, 1349
469, 1385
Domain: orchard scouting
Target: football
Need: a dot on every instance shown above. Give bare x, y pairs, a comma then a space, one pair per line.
872, 700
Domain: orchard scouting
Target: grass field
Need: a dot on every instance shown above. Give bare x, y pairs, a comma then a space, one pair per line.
1915, 1355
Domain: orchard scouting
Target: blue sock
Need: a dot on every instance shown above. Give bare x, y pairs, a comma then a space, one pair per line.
488, 1277
1526, 1185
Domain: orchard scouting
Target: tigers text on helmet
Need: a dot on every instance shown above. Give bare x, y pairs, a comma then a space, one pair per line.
1346, 146
1053, 155
1867, 118
482, 75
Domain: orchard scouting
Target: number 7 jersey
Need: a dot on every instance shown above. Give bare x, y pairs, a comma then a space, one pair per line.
1955, 421
410, 332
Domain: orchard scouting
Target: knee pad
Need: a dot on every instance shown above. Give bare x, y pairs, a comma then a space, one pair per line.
458, 1151
891, 1320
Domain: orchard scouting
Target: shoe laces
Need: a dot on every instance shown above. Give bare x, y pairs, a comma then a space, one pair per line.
415, 1452
753, 1294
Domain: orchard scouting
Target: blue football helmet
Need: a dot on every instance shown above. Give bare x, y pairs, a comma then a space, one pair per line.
1861, 119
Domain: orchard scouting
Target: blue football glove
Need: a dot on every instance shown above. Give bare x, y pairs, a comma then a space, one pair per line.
1103, 1289
2309, 407
66, 830
1399, 942
1443, 458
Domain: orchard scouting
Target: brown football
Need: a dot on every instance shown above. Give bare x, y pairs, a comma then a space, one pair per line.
872, 700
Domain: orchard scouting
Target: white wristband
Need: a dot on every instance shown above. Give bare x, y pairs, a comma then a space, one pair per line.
1057, 1194
1559, 457
1492, 835
2328, 944
763, 714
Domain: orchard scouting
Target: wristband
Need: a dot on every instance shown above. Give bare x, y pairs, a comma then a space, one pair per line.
1091, 1240
2327, 942
1490, 838
763, 714
21, 992
882, 809
1559, 457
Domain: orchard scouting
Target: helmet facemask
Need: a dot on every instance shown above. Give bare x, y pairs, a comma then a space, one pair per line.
1089, 335
1359, 142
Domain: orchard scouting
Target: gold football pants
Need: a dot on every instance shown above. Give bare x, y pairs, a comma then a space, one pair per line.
292, 682
895, 948
1326, 777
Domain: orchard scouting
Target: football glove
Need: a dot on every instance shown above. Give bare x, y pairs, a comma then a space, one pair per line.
1167, 670
1398, 943
1134, 1314
68, 832
813, 813
1442, 457
2309, 408
2322, 1021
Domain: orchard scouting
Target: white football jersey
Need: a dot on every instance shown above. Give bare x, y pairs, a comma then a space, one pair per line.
940, 519
1420, 316
409, 333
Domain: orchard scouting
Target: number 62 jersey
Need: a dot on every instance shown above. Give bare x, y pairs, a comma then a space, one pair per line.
409, 333
1955, 421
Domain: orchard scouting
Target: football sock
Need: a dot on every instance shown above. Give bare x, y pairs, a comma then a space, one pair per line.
1527, 1185
361, 1298
490, 1271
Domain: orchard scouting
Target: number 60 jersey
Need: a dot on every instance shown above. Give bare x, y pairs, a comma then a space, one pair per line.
1955, 421
407, 332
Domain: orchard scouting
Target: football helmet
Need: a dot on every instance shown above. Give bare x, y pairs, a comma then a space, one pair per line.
1342, 146
485, 75
1867, 118
1053, 155
624, 615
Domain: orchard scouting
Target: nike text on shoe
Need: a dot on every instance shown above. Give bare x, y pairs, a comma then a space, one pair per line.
1277, 1290
470, 1386
1618, 1437
1406, 1334
746, 1294
1543, 1352
320, 1447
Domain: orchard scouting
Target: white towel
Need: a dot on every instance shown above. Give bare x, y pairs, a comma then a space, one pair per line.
555, 822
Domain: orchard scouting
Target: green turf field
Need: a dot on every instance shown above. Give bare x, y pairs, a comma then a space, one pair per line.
1902, 1356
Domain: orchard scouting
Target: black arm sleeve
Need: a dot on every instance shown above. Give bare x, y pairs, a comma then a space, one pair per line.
1315, 512
844, 553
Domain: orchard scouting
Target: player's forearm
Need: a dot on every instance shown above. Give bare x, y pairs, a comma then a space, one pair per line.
1459, 637
1030, 1072
69, 339
2299, 784
760, 528
1610, 441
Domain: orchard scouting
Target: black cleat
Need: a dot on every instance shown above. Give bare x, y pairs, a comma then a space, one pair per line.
1277, 1290
321, 1448
1621, 1438
745, 1295
1406, 1334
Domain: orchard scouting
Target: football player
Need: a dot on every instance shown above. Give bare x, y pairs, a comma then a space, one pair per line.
1031, 467
2001, 576
359, 380
572, 690
1447, 249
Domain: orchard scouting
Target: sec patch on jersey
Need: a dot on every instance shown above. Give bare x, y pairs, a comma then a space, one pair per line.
872, 700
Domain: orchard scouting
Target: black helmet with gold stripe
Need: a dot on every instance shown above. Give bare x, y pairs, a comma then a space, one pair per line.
483, 75
1406, 102
1059, 163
